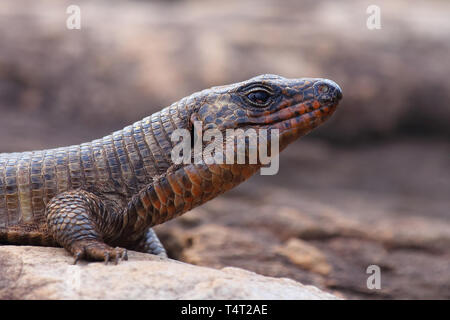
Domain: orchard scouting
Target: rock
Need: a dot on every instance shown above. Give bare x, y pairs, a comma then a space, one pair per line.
213, 245
46, 273
305, 256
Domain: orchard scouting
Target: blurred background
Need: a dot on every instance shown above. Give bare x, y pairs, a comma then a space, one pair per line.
371, 186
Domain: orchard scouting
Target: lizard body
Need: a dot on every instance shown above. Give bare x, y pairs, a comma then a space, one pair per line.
98, 199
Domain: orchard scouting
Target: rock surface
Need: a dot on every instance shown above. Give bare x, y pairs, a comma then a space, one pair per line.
46, 273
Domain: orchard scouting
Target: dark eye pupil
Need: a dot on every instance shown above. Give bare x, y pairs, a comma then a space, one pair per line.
259, 96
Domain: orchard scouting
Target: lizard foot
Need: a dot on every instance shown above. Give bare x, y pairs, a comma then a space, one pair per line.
97, 251
73, 220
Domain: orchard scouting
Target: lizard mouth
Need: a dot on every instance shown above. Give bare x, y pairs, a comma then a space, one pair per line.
303, 117
298, 120
307, 114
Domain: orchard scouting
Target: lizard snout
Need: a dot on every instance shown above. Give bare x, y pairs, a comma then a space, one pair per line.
327, 92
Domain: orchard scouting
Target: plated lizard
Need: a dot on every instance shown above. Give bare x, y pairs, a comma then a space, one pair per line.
100, 198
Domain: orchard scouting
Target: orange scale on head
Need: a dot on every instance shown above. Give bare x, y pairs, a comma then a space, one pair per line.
302, 109
316, 104
298, 98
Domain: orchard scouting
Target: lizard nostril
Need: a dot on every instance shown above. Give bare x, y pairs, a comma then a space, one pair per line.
323, 89
328, 91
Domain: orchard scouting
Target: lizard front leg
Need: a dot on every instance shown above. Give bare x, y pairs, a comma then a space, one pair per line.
79, 221
150, 243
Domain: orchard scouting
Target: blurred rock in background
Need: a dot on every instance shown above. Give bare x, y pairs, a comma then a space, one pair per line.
369, 187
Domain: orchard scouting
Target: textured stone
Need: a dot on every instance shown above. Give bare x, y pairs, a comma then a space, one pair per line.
306, 256
46, 273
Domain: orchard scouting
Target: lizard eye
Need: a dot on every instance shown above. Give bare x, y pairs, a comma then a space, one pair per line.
259, 97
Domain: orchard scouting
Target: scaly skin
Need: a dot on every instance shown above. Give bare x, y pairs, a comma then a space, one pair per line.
100, 198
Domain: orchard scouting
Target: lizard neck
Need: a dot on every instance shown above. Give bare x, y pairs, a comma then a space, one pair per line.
180, 190
129, 159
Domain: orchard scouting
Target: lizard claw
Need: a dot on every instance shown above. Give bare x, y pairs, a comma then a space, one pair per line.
106, 258
76, 258
118, 256
125, 255
97, 251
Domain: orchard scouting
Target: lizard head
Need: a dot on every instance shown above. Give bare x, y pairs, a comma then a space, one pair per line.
293, 106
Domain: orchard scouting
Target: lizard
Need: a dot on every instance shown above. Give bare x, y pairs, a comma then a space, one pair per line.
102, 198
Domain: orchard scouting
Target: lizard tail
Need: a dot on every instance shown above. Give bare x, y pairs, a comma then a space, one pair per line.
33, 238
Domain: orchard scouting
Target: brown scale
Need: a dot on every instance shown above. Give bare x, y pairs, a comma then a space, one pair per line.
100, 198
